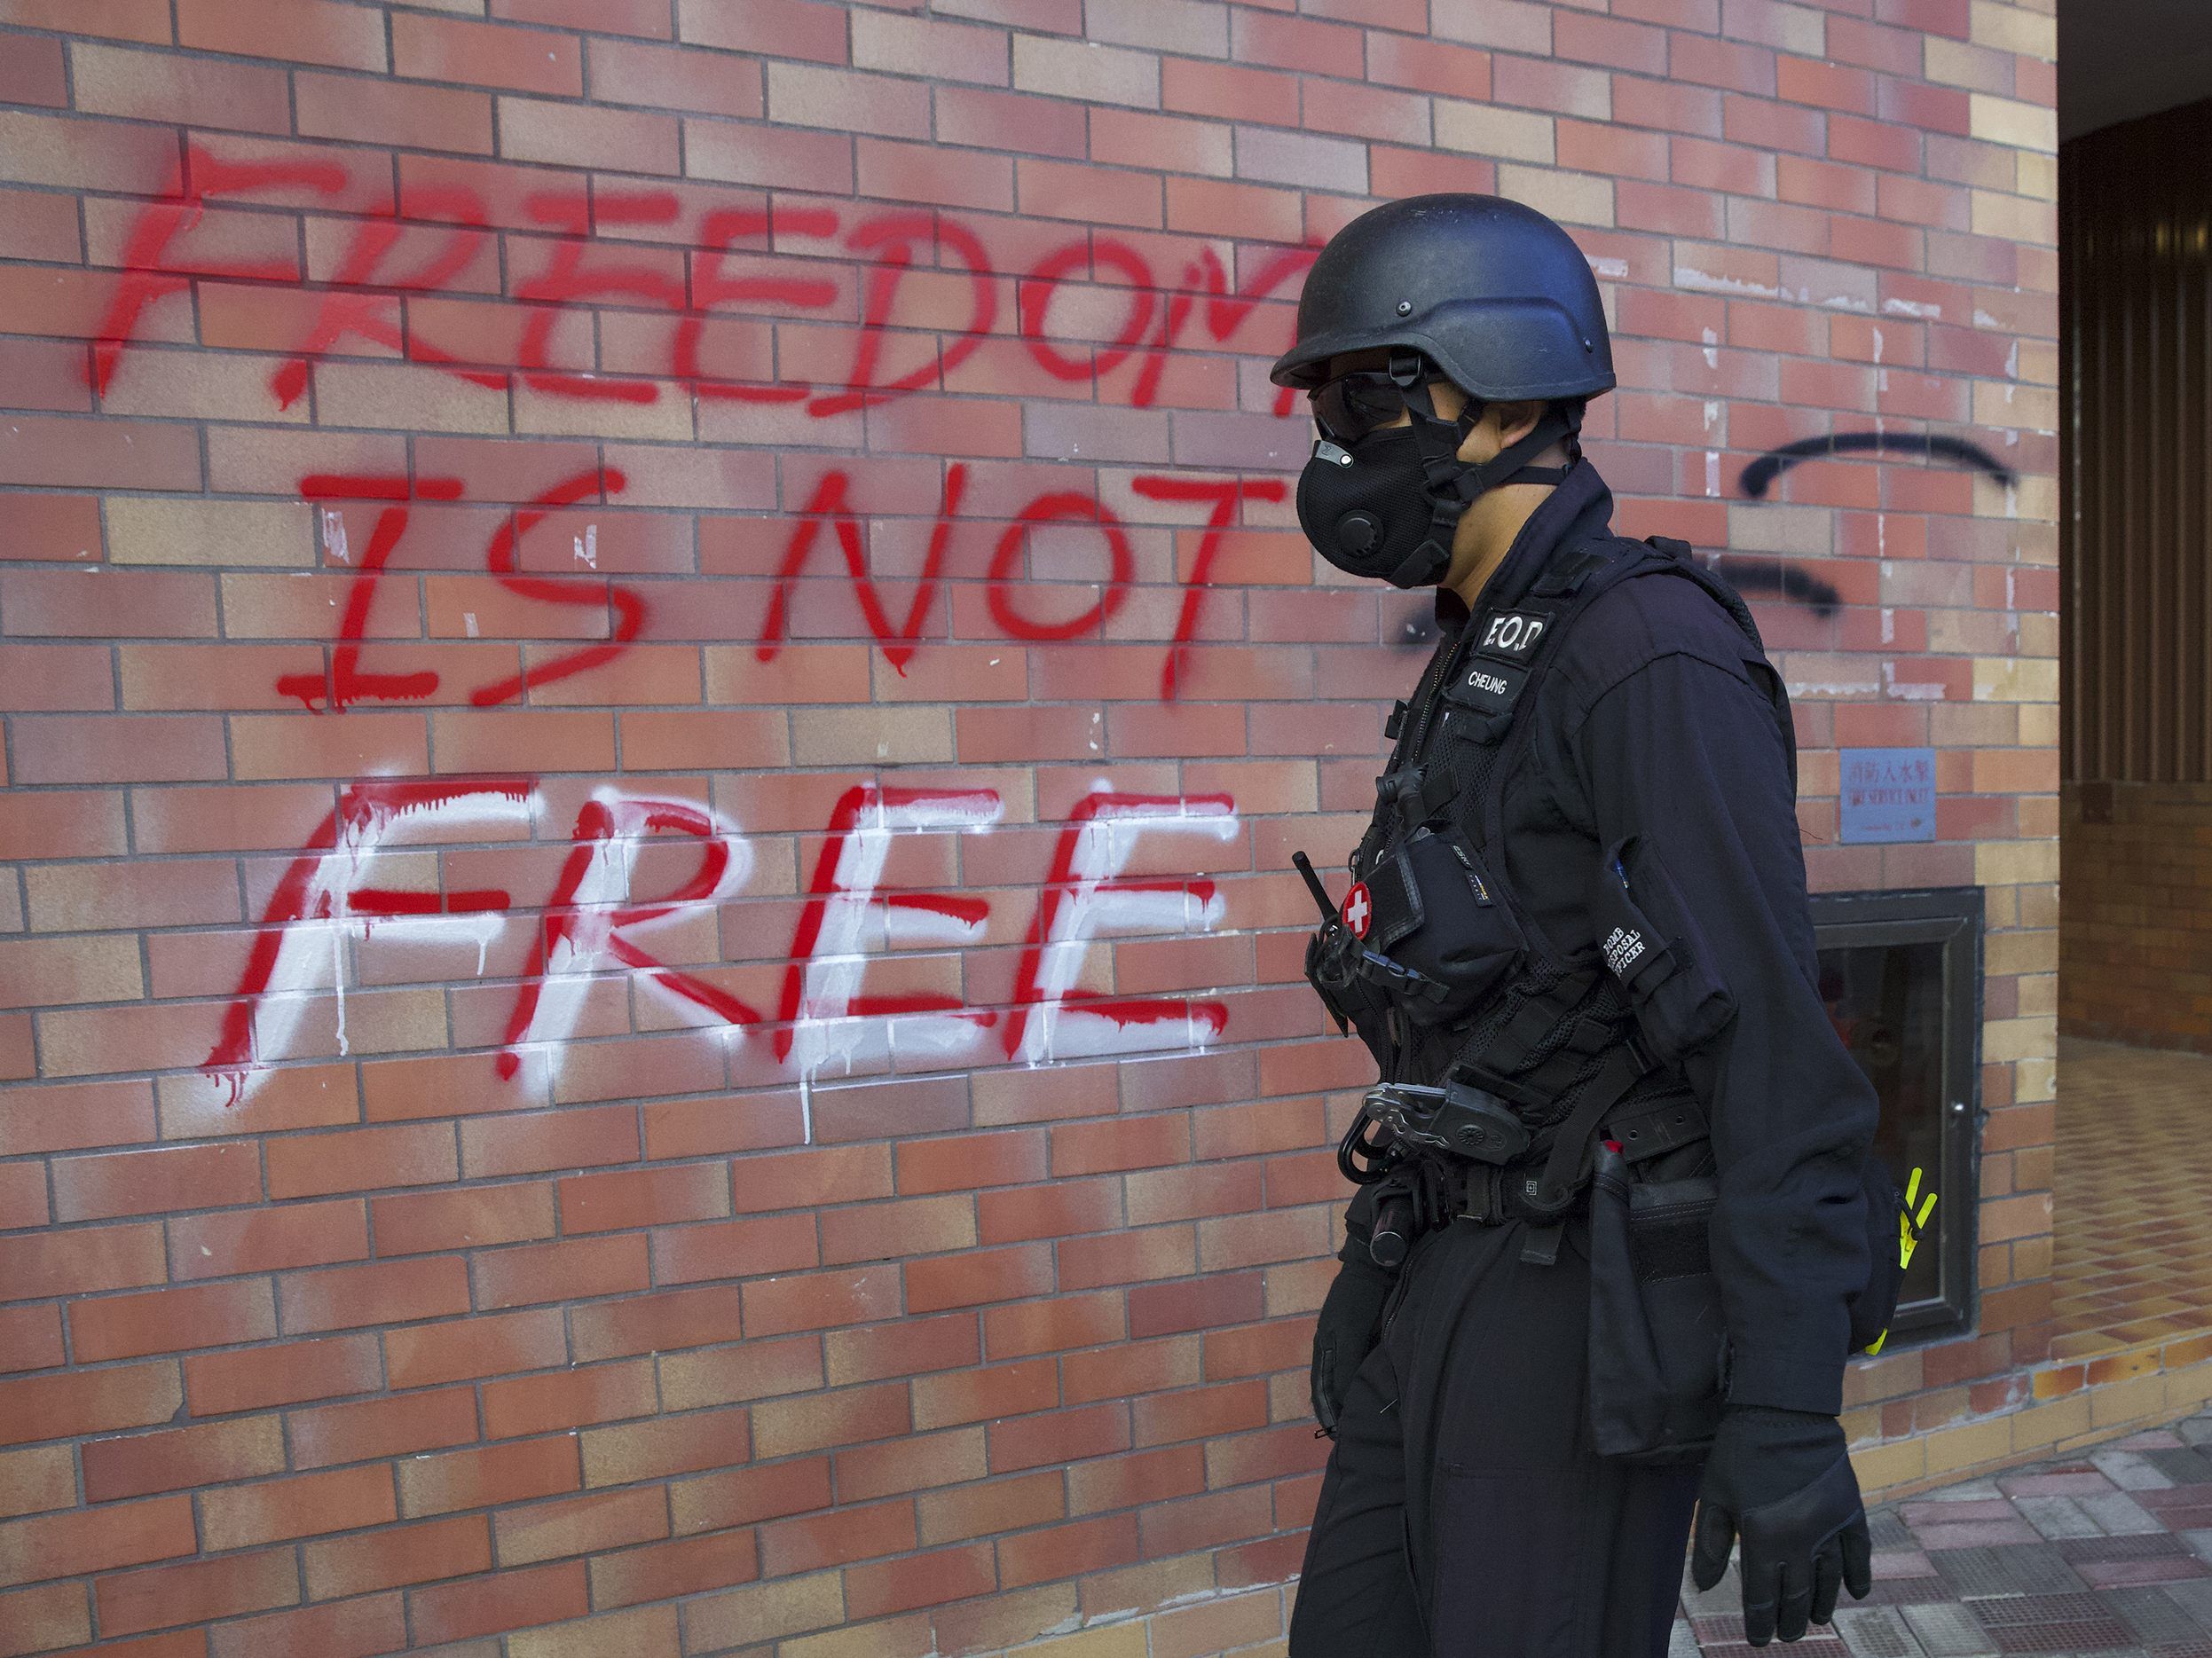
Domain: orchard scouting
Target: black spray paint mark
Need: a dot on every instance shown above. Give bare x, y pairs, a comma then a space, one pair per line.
1749, 574
1755, 575
1775, 462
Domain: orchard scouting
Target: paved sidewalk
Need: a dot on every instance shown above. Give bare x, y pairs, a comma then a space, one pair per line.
2102, 1554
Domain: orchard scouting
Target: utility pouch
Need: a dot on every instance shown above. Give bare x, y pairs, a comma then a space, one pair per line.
1653, 949
1437, 914
1333, 956
1656, 1330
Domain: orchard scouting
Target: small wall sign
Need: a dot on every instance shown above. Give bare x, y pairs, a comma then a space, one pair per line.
1888, 794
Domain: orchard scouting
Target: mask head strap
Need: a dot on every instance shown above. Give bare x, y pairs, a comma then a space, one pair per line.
1452, 484
1510, 465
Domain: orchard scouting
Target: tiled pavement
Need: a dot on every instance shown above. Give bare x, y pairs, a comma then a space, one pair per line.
2133, 1257
2101, 1554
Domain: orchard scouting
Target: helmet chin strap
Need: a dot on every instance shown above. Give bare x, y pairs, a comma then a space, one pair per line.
1454, 484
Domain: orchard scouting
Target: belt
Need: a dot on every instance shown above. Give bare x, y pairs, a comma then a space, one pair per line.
1431, 1189
1542, 1183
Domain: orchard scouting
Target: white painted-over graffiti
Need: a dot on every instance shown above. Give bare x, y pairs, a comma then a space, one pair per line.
833, 1024
361, 874
1088, 895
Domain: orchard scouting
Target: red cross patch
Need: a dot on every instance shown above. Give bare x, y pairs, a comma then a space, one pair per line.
1359, 909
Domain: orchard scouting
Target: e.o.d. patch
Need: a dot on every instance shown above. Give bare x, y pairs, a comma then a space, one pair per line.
1511, 635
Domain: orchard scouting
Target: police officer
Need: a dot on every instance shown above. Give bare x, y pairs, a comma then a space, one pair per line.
1578, 943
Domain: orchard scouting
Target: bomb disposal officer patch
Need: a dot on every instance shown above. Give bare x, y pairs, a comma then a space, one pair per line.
1512, 635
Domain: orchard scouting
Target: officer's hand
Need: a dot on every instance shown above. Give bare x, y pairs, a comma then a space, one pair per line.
1346, 1335
1781, 1481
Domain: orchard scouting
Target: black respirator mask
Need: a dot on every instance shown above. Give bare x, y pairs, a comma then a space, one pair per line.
1382, 501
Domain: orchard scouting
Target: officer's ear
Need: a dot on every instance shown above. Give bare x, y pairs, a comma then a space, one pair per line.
1514, 421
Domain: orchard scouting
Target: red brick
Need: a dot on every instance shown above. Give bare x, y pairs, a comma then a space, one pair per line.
1196, 1523
668, 1320
662, 77
832, 1539
883, 1587
1143, 1477
398, 1555
738, 1496
849, 1416
465, 1215
376, 1292
1012, 120
41, 1619
750, 1370
166, 1321
353, 1629
328, 1435
1071, 1321
800, 28
585, 135
1056, 1436
255, 1240
196, 1591
80, 1261
963, 1162
80, 1541
1127, 1257
191, 91
532, 1142
304, 1505
505, 1601
660, 1571
381, 112
1084, 1545
1003, 1505
316, 1166
93, 1402
1194, 1304
148, 1182
1201, 1412
579, 1525
146, 20
663, 1445
976, 1276
23, 1196
290, 1373
912, 1463
304, 31
647, 18
579, 1266
1128, 1368
490, 1476
487, 54
568, 1398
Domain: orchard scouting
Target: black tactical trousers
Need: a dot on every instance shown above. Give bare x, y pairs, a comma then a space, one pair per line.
1465, 1444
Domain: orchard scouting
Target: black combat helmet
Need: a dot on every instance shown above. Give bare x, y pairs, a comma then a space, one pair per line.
1492, 293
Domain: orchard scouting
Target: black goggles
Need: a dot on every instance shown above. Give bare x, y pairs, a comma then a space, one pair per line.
1351, 405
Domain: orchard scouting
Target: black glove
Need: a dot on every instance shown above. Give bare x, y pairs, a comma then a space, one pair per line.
1782, 1482
1351, 1314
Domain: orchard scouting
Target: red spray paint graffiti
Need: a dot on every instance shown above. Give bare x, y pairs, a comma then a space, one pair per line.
888, 243
830, 503
346, 684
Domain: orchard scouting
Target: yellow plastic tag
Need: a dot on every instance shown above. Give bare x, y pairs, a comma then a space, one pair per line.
1909, 1227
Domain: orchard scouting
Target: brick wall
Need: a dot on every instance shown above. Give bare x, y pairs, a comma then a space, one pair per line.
2138, 963
658, 679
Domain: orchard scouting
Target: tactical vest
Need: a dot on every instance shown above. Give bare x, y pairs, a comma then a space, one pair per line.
1454, 981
